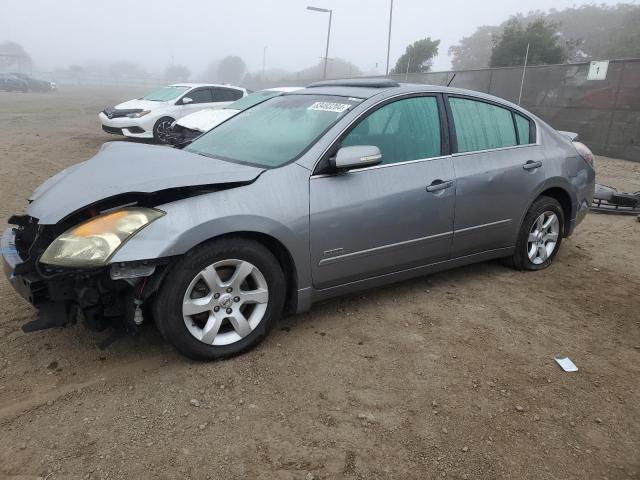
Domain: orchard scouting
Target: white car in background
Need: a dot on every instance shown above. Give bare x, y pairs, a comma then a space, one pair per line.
152, 115
191, 126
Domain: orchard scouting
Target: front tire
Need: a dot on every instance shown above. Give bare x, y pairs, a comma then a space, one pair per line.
540, 235
162, 130
221, 299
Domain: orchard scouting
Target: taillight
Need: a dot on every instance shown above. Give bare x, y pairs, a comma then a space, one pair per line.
585, 153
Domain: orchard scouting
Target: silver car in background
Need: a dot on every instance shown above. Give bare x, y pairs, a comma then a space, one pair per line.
341, 186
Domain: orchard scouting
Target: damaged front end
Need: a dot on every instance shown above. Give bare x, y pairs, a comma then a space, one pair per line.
100, 297
58, 256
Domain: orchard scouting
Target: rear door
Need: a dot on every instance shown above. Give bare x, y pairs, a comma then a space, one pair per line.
498, 167
383, 219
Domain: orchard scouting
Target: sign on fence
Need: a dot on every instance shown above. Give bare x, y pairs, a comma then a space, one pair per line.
598, 70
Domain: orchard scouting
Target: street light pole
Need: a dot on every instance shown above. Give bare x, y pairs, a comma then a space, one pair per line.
264, 60
389, 37
326, 53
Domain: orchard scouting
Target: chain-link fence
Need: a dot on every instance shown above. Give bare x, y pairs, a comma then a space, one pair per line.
605, 113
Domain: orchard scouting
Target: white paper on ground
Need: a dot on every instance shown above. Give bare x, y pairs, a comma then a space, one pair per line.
566, 364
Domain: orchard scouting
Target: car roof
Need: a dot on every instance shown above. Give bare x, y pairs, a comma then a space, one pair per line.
193, 85
282, 89
367, 88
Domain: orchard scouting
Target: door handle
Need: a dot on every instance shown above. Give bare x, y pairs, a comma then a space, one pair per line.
531, 165
438, 185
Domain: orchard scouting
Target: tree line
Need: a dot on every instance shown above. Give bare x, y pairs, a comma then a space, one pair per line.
589, 32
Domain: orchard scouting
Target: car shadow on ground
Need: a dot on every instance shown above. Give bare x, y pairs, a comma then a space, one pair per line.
328, 314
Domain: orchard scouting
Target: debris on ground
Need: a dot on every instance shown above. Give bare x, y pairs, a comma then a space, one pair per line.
566, 364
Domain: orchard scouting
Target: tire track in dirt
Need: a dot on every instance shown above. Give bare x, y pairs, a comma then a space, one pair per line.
113, 375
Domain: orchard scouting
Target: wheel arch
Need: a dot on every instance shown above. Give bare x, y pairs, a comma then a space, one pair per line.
161, 116
279, 250
564, 199
560, 189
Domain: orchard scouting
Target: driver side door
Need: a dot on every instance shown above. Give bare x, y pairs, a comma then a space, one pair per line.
201, 98
389, 217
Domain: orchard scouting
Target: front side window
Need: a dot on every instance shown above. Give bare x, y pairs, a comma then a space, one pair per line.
481, 126
165, 94
274, 132
404, 130
202, 95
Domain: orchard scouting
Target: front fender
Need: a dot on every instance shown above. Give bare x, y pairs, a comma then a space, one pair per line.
192, 221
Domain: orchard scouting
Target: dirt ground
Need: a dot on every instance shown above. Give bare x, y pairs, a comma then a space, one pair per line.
447, 376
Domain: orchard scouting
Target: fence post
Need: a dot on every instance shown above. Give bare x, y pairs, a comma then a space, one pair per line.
490, 81
623, 65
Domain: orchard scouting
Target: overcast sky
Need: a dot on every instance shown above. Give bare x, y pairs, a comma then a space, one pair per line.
196, 32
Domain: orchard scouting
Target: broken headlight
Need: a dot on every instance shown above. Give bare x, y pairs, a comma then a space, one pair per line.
92, 243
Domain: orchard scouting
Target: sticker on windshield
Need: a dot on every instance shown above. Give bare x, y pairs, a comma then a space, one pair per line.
329, 107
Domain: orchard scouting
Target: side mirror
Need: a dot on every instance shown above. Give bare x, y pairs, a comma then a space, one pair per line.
186, 100
357, 156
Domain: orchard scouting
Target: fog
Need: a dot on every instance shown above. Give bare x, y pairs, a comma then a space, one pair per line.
157, 33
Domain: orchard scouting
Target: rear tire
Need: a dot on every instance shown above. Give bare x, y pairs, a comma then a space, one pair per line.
221, 299
162, 130
540, 236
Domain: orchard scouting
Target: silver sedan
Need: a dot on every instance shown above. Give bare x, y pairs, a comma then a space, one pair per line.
338, 187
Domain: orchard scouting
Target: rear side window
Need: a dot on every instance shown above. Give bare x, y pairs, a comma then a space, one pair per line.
481, 126
404, 130
226, 94
524, 129
202, 95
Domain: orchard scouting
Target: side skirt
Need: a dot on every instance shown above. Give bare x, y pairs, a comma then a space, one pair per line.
308, 296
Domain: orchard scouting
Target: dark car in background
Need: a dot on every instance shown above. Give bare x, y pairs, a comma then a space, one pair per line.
9, 83
34, 84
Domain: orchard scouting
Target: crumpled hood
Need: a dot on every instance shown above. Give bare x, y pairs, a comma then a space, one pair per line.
206, 119
124, 167
139, 103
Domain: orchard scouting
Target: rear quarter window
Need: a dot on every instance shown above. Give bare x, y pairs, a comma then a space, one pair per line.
524, 129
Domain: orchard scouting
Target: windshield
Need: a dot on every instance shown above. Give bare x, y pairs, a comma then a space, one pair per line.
274, 132
165, 94
253, 99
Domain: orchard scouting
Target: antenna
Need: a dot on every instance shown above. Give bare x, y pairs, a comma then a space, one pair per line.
449, 82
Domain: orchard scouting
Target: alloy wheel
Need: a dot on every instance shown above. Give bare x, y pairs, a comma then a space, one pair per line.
225, 302
163, 129
543, 237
